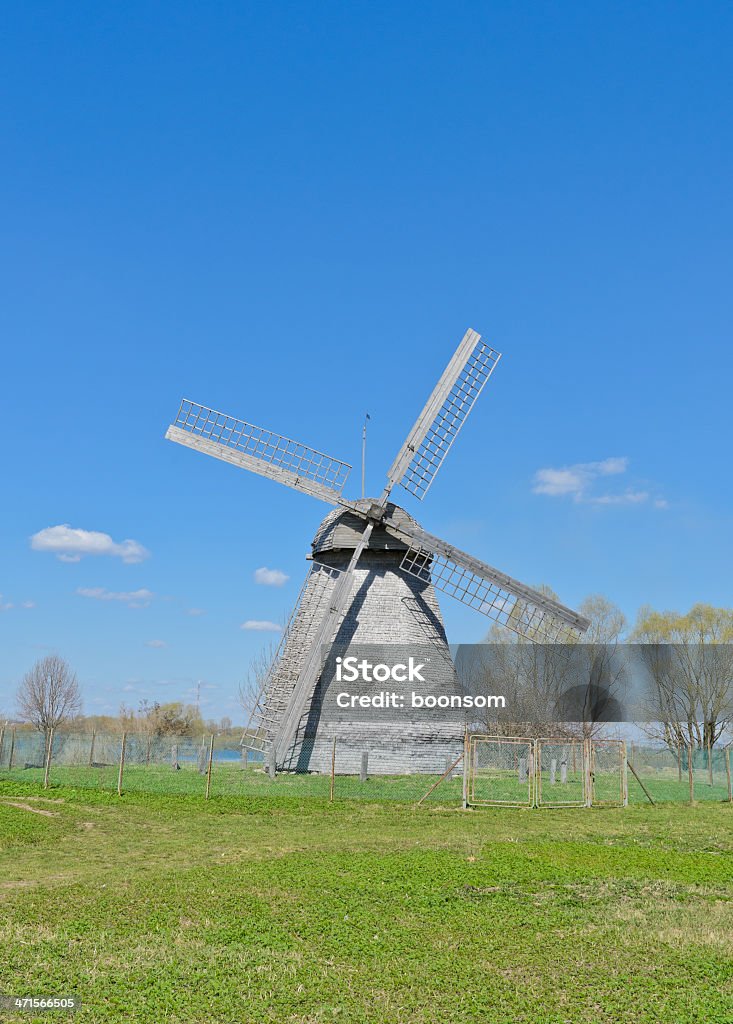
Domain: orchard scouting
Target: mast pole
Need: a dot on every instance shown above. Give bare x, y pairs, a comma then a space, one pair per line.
363, 453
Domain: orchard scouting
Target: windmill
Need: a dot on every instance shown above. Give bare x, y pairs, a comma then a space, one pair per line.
373, 576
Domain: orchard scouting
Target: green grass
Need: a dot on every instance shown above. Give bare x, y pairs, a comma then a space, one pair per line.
288, 910
228, 779
231, 780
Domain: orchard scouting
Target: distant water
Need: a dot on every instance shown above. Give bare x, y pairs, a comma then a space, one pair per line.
235, 754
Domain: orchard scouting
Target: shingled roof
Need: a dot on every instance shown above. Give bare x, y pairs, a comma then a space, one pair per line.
341, 530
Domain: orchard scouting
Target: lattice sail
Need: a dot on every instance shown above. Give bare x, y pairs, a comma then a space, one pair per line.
445, 412
513, 604
281, 677
259, 450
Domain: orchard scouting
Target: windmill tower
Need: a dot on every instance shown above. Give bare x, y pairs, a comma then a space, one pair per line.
372, 581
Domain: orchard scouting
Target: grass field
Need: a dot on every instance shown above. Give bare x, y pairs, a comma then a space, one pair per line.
230, 780
169, 909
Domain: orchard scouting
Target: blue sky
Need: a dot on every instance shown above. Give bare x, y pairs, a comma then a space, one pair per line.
292, 212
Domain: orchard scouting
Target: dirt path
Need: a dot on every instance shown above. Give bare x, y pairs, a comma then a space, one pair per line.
33, 810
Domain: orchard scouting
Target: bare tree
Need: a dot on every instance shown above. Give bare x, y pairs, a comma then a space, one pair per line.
253, 684
537, 679
601, 674
49, 694
607, 621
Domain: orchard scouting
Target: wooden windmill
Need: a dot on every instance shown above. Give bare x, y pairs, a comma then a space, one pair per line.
373, 578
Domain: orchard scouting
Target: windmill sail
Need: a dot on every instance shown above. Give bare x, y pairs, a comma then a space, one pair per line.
313, 662
500, 597
282, 675
261, 451
445, 412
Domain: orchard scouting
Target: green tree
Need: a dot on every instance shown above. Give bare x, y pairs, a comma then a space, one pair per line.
689, 658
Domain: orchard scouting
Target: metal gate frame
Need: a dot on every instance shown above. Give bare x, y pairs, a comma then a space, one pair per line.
588, 749
470, 764
623, 796
553, 741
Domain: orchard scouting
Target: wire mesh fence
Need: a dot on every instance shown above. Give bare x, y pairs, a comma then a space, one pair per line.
506, 771
561, 773
682, 772
608, 775
500, 771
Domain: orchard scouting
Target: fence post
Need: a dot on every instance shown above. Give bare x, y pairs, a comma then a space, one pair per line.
679, 761
333, 769
466, 758
690, 776
245, 759
122, 763
624, 776
587, 773
710, 761
2, 741
91, 748
208, 770
364, 770
727, 774
272, 763
147, 750
12, 749
47, 764
174, 757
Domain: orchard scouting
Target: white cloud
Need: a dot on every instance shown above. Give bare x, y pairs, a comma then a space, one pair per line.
574, 480
5, 606
261, 626
155, 643
270, 577
133, 598
627, 498
70, 545
577, 482
196, 611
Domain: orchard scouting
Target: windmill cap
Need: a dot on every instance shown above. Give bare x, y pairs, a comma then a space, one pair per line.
342, 530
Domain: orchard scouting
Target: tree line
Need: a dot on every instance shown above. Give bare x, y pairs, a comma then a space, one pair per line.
685, 660
688, 658
49, 698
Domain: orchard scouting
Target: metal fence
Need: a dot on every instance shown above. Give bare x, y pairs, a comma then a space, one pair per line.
548, 772
552, 772
501, 771
138, 763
